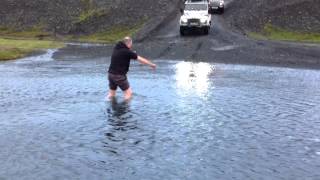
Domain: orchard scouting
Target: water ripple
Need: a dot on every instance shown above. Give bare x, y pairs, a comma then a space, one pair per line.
187, 120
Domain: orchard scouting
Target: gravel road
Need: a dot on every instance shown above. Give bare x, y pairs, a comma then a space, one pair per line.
223, 44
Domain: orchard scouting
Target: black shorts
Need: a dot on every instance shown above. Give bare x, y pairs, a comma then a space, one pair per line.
116, 80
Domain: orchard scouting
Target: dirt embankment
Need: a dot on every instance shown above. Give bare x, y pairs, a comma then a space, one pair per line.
294, 15
91, 16
82, 16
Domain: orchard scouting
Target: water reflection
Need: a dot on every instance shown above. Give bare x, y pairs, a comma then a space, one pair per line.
119, 115
122, 129
192, 76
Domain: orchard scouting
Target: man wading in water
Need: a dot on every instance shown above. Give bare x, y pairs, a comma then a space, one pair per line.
119, 67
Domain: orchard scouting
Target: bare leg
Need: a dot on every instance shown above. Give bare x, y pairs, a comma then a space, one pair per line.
112, 94
128, 94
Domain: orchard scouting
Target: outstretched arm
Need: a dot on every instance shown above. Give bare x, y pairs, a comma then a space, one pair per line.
143, 60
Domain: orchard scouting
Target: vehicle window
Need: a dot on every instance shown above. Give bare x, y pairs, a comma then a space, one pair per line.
196, 0
197, 7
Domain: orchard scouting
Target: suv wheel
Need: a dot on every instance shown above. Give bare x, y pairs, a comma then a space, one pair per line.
182, 32
206, 30
221, 10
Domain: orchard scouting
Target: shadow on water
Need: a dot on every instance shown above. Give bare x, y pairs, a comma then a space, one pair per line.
121, 122
118, 109
120, 117
126, 135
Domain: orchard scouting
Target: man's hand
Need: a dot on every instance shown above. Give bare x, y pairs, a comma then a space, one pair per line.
153, 66
147, 62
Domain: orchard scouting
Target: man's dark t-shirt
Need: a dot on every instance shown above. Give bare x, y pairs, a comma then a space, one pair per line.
120, 59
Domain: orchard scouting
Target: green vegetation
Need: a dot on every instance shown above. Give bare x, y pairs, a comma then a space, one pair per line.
35, 32
89, 11
17, 44
87, 15
112, 35
14, 44
87, 4
13, 49
275, 33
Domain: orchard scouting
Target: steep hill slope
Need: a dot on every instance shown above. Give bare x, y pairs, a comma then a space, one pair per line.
81, 16
295, 15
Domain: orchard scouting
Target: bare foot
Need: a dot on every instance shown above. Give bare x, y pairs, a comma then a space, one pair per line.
128, 98
110, 97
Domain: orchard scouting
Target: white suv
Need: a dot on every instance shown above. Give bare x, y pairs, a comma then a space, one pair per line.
195, 16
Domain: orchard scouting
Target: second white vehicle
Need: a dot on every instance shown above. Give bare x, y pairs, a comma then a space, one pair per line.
195, 16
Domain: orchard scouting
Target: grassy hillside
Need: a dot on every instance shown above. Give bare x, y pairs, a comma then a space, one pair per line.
102, 21
294, 20
13, 49
271, 32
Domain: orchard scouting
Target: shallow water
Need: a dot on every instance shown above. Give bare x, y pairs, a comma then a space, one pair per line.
187, 120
